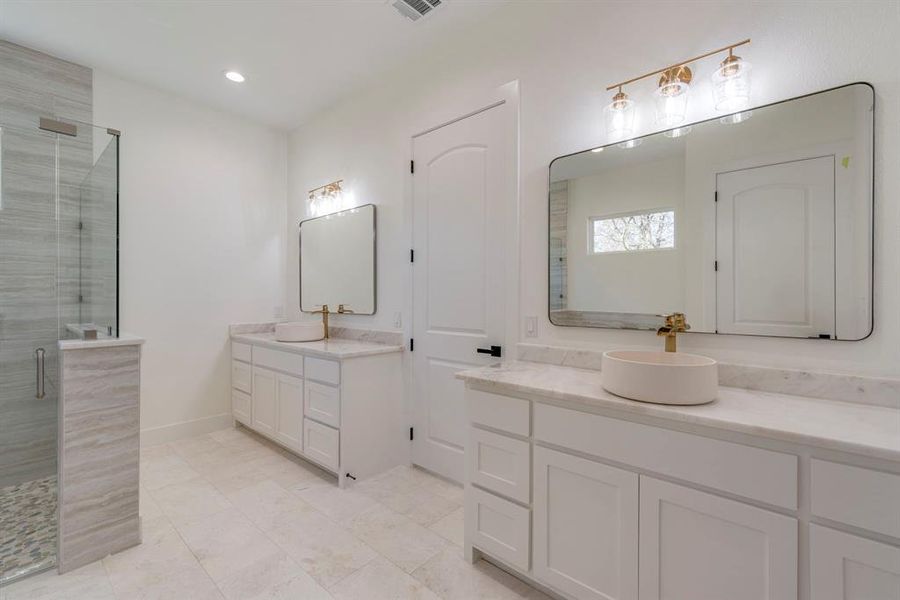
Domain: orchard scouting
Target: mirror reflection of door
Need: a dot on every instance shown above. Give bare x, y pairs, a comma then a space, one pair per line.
775, 249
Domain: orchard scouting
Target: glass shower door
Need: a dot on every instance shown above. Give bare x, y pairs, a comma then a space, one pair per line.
28, 336
58, 280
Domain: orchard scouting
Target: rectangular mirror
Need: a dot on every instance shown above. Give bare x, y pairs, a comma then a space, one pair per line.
337, 261
759, 227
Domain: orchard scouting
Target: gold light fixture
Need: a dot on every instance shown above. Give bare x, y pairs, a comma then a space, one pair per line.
326, 199
731, 91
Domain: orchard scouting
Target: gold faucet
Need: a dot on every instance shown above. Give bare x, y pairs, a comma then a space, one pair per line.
342, 310
325, 313
675, 324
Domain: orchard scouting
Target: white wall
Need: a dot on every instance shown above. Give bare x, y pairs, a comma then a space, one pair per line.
649, 282
564, 56
202, 244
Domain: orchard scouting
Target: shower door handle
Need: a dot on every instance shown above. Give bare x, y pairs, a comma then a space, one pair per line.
39, 363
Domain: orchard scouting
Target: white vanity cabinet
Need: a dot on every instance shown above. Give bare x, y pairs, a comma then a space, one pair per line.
616, 509
342, 411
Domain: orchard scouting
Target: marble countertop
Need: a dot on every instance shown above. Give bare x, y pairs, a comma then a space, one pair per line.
124, 339
843, 426
332, 348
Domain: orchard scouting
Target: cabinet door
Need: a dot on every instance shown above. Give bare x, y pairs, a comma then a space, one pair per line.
289, 413
240, 406
264, 394
847, 567
698, 546
585, 527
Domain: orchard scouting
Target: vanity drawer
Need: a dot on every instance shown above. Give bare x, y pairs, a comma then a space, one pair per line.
240, 351
278, 361
240, 406
856, 496
322, 403
240, 376
321, 443
499, 463
499, 412
326, 371
763, 475
499, 527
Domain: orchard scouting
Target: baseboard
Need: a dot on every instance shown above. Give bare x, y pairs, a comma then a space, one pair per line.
177, 431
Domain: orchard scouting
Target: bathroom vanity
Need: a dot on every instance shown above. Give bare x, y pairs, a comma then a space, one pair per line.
756, 495
335, 402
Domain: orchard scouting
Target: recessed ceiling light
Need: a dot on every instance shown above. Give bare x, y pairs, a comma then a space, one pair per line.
234, 76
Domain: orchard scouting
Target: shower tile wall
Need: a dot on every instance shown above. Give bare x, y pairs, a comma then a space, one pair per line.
33, 84
559, 216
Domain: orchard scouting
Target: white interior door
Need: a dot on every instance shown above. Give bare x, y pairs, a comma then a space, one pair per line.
775, 249
461, 191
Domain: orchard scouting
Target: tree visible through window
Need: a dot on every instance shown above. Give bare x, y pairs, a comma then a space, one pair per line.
630, 233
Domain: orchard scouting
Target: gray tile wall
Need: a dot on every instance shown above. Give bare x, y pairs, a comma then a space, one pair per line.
36, 292
559, 238
99, 453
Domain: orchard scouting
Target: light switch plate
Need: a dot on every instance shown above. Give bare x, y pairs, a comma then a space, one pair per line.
531, 327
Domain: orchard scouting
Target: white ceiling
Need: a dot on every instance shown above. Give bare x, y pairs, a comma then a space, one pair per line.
299, 56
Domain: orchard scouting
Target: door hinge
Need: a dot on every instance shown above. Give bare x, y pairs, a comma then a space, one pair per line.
412, 255
412, 166
716, 196
80, 225
411, 434
716, 266
412, 344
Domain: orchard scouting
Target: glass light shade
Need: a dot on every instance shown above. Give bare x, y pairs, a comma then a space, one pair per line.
671, 103
731, 85
620, 117
678, 131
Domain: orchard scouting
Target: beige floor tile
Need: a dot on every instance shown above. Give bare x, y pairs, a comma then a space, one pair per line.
451, 577
447, 490
86, 583
274, 578
148, 507
451, 527
160, 471
195, 446
226, 542
399, 539
183, 502
156, 451
381, 580
420, 505
321, 547
264, 503
162, 567
338, 504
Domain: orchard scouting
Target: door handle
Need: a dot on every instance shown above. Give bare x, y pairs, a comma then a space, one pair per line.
39, 363
495, 351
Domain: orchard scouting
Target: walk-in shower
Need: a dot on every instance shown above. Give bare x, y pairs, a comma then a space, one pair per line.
58, 280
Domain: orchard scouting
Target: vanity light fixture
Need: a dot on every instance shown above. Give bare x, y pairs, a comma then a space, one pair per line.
326, 199
731, 88
620, 116
672, 96
731, 92
235, 77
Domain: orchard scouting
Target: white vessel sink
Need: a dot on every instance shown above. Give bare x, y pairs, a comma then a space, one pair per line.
299, 331
660, 377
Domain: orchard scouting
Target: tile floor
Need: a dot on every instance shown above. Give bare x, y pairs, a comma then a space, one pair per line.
27, 528
230, 516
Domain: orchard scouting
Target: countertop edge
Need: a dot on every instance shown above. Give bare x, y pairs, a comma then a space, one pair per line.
680, 414
124, 339
374, 349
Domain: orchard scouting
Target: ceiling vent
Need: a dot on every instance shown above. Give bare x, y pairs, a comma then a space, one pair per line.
415, 9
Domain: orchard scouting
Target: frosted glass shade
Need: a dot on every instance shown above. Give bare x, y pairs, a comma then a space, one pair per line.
671, 103
620, 118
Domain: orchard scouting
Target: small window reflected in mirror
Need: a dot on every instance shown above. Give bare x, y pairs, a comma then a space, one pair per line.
652, 230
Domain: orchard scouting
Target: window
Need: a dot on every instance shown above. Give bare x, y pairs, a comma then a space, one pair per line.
633, 232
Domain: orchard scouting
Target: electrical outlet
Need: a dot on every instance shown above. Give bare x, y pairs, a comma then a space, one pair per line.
531, 327
398, 320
